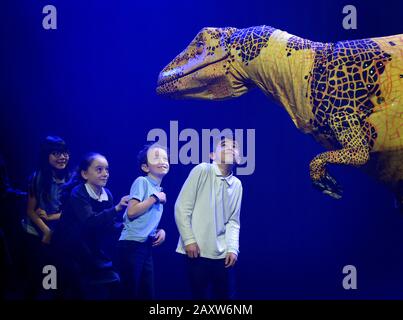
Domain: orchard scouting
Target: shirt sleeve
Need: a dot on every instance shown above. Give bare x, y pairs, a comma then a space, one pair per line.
185, 204
233, 225
81, 205
138, 189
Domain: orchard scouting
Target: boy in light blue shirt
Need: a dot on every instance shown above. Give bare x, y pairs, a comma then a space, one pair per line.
141, 219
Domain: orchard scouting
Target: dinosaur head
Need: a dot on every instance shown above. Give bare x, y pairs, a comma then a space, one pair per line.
202, 70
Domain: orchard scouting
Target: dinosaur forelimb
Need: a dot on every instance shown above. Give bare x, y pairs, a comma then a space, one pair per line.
348, 156
348, 129
321, 178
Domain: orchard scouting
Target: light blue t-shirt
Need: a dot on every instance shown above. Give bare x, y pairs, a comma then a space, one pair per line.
140, 228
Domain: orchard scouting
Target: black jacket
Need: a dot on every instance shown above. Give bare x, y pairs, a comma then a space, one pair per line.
80, 236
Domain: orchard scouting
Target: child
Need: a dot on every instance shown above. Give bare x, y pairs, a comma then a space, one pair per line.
44, 198
43, 209
207, 216
141, 219
88, 217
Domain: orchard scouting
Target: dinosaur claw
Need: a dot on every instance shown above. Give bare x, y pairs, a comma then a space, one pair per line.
332, 194
329, 186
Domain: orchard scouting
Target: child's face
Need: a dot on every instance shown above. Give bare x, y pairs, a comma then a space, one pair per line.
59, 160
226, 152
97, 173
157, 162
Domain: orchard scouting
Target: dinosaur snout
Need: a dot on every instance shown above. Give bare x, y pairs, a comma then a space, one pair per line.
168, 75
167, 80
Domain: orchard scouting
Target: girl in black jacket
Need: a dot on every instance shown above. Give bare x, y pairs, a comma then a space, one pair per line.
88, 216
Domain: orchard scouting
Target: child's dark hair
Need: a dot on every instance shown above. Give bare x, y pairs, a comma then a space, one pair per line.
142, 155
41, 180
49, 145
214, 142
83, 165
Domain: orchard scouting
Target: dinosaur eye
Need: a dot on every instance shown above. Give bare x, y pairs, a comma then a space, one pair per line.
199, 47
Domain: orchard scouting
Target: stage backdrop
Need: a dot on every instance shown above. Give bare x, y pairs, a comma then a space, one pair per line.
92, 81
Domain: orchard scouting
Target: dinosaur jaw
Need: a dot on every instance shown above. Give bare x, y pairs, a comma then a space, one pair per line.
209, 82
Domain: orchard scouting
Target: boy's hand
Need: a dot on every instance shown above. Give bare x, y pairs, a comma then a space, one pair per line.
161, 197
159, 237
123, 203
230, 259
192, 250
41, 214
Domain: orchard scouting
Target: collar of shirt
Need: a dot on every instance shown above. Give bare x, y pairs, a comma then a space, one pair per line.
229, 179
154, 182
93, 195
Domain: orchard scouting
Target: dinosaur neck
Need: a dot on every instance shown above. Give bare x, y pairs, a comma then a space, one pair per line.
281, 76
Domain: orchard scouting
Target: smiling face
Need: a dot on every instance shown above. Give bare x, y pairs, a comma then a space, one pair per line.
59, 160
226, 152
97, 173
157, 163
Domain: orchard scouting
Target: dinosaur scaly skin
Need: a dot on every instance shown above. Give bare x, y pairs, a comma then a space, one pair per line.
348, 94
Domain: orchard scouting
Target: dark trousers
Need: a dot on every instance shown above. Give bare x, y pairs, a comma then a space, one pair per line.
135, 265
209, 279
80, 278
38, 255
69, 276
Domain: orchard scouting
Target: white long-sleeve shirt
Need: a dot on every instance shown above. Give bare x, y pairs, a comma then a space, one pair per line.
207, 212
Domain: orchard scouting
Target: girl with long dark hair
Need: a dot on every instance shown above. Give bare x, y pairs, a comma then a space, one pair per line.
88, 217
44, 207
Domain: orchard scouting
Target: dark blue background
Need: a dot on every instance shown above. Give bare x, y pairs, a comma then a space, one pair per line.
92, 81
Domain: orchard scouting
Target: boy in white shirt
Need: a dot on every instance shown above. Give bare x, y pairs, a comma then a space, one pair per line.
207, 216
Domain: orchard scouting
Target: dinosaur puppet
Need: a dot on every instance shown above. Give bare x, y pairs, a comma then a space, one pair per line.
347, 94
